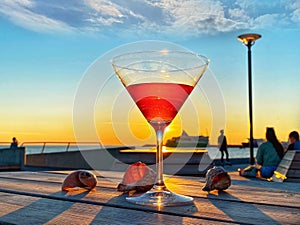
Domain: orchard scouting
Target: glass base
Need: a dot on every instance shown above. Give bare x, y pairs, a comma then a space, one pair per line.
160, 199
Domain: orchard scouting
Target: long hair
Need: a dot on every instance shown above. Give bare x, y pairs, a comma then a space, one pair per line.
271, 137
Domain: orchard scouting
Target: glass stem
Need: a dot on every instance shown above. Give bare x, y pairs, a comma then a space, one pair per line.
159, 160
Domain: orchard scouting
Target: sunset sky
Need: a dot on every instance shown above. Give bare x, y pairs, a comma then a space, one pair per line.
46, 48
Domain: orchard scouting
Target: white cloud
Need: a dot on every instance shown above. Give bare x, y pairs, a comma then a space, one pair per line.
265, 14
105, 22
105, 7
295, 14
168, 17
19, 12
267, 20
238, 14
27, 3
109, 13
195, 17
135, 15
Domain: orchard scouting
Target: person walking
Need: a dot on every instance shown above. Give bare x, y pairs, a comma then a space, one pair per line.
222, 144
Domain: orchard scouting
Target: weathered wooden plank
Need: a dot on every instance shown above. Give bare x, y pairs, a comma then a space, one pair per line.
297, 155
185, 211
260, 191
285, 163
55, 178
284, 170
294, 180
295, 165
290, 155
212, 206
112, 178
243, 194
293, 173
33, 210
43, 210
116, 177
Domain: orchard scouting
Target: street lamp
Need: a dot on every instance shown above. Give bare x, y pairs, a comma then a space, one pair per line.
249, 40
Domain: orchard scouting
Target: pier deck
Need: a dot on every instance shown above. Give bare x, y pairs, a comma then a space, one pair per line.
28, 197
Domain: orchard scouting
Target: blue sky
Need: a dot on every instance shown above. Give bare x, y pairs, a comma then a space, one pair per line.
46, 46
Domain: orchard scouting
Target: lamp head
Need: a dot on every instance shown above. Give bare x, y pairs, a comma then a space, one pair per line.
248, 38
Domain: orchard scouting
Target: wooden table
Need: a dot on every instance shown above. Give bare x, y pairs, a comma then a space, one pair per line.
35, 198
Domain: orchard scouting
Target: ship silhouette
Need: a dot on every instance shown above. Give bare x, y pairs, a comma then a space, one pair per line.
186, 140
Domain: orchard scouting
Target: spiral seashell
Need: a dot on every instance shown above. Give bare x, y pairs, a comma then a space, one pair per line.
80, 178
138, 177
217, 179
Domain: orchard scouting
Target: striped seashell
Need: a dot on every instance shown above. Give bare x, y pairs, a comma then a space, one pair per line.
138, 177
217, 179
80, 178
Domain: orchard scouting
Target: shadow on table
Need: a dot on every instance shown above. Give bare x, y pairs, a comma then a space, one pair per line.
240, 211
119, 211
41, 211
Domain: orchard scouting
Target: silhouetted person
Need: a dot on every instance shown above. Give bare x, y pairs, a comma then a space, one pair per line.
14, 143
269, 154
222, 143
294, 141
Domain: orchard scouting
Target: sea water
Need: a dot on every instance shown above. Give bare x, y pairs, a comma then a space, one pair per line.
236, 152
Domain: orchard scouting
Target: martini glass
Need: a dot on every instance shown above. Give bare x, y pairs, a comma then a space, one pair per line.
160, 82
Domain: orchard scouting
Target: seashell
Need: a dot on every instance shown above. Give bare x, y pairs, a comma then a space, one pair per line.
80, 178
217, 178
138, 177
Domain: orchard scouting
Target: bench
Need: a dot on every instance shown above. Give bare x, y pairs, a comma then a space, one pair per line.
289, 167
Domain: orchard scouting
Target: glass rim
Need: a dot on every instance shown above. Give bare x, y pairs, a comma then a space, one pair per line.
201, 57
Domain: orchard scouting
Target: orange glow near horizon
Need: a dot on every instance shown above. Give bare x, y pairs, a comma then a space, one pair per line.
140, 133
132, 129
43, 128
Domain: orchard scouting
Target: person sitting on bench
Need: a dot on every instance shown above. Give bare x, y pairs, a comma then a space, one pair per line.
294, 141
269, 154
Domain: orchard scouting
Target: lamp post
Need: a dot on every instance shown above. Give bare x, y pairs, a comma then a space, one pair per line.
249, 40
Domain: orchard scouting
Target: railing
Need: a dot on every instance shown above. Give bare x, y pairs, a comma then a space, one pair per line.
4, 143
58, 143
